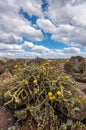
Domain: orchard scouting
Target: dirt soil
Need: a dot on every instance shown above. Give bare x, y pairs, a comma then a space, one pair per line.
7, 121
81, 86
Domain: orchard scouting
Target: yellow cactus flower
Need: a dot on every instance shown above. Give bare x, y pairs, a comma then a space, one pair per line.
26, 82
66, 77
50, 94
35, 81
59, 93
52, 98
19, 69
16, 66
44, 69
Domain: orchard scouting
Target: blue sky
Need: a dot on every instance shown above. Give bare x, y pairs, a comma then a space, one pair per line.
44, 28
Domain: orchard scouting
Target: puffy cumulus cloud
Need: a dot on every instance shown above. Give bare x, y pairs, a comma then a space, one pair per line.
70, 17
46, 25
66, 11
77, 2
8, 38
13, 26
32, 7
10, 47
61, 3
77, 13
38, 48
67, 24
71, 50
70, 35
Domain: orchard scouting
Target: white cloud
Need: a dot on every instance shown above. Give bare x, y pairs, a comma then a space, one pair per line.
10, 47
64, 12
71, 50
31, 46
46, 25
8, 38
32, 7
13, 26
73, 35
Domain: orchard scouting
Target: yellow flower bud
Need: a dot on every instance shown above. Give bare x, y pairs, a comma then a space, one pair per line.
66, 77
43, 68
16, 66
35, 81
54, 97
19, 69
51, 98
59, 93
26, 82
50, 94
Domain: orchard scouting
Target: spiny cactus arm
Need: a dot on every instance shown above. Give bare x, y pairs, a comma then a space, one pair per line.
17, 87
10, 101
41, 92
23, 90
39, 105
14, 90
32, 112
51, 109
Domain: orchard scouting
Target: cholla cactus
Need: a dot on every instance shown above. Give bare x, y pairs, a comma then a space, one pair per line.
46, 97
